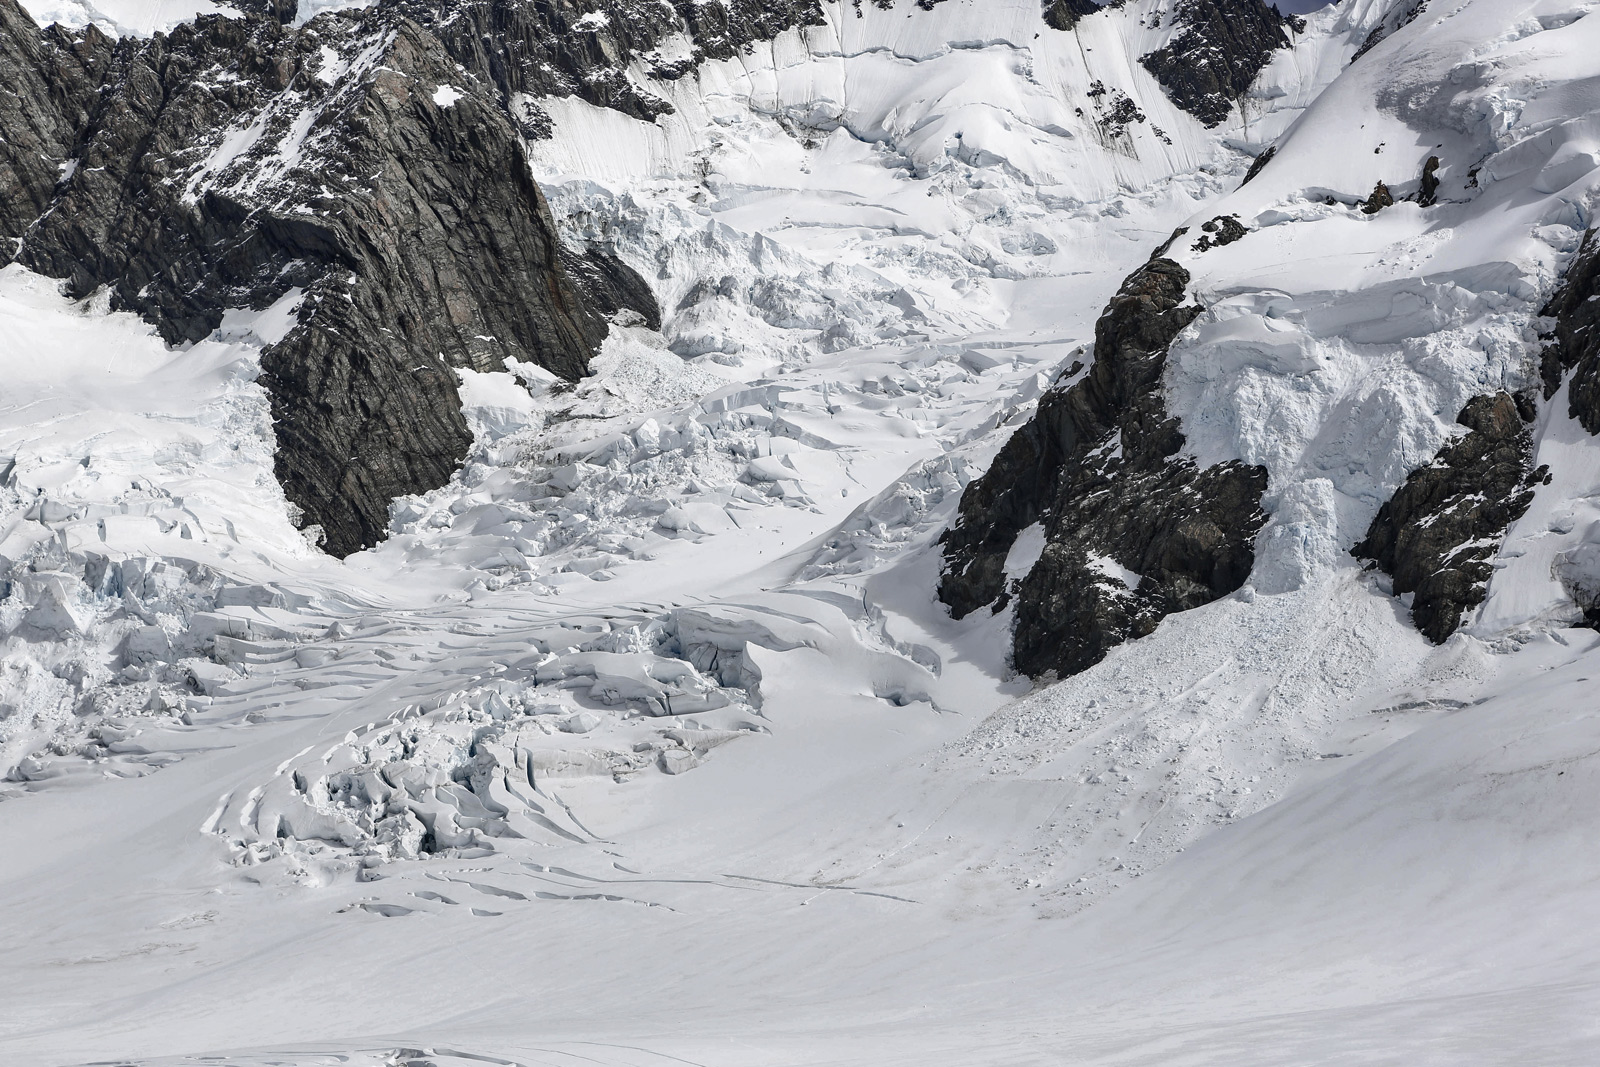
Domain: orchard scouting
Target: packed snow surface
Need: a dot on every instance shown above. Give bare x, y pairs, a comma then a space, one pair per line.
644, 741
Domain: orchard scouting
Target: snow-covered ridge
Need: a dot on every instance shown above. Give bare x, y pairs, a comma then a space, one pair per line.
1339, 346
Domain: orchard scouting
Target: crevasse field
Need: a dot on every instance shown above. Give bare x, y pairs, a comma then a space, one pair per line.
709, 775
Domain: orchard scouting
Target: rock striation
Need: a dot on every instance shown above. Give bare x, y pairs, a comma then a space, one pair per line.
1439, 533
1133, 530
48, 83
348, 173
527, 49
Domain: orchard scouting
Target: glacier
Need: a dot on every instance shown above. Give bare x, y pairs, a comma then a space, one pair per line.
651, 714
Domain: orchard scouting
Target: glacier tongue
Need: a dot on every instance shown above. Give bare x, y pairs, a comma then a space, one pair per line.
648, 721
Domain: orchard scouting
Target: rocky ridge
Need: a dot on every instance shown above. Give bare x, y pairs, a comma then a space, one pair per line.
610, 52
1064, 14
527, 50
1400, 15
1131, 529
347, 176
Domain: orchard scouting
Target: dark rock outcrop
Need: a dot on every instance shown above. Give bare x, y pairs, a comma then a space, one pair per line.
1259, 165
1220, 48
1574, 344
584, 49
47, 85
1428, 185
1064, 14
1379, 199
232, 163
610, 285
1440, 531
1222, 230
1133, 529
1572, 355
1401, 14
1114, 113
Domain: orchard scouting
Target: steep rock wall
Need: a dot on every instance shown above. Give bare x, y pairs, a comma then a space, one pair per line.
348, 168
1133, 530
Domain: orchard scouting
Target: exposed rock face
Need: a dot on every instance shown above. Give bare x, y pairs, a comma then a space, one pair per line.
1380, 198
1574, 346
236, 162
1221, 47
1259, 165
1575, 343
1428, 187
610, 286
1133, 530
542, 49
1437, 535
1572, 356
47, 84
1064, 14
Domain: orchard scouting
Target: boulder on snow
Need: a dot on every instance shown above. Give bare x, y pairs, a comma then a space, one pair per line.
1379, 199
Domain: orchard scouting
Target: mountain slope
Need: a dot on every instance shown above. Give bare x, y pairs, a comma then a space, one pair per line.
235, 164
644, 737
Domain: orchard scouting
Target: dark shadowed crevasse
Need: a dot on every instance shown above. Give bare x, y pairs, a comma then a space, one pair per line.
409, 223
1100, 467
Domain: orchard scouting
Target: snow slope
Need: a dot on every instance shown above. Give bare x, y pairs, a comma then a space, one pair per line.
118, 18
645, 741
